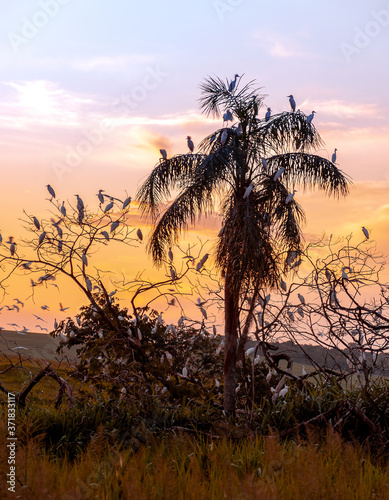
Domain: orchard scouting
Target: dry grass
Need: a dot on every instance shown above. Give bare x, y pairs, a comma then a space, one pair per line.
183, 468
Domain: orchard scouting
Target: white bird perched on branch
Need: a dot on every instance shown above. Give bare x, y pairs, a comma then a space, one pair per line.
268, 114
365, 232
290, 197
63, 209
233, 83
84, 259
51, 191
114, 226
292, 102
163, 154
223, 137
100, 195
36, 223
109, 206
248, 191
88, 284
333, 159
190, 143
278, 174
310, 117
80, 203
41, 237
283, 392
126, 202
227, 117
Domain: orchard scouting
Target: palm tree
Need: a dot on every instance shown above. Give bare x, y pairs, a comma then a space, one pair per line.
246, 172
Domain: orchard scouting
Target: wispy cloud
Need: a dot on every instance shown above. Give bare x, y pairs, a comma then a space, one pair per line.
281, 46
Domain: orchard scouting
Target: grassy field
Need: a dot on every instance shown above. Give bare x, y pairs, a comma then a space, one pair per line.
149, 448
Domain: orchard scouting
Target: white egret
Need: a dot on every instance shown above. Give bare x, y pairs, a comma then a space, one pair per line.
19, 347
185, 371
39, 318
310, 117
248, 191
100, 195
41, 328
365, 232
290, 197
80, 203
51, 191
63, 209
139, 234
36, 223
303, 372
283, 392
268, 114
292, 102
217, 383
126, 202
203, 312
55, 324
233, 83
190, 143
223, 137
333, 159
41, 237
114, 226
109, 206
84, 259
62, 308
163, 154
139, 333
269, 376
278, 174
88, 284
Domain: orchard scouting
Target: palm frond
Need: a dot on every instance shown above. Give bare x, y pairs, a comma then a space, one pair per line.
287, 132
165, 177
310, 171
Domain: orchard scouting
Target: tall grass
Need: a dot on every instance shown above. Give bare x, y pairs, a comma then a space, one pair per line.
184, 468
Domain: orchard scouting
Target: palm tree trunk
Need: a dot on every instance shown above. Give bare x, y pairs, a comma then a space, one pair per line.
231, 316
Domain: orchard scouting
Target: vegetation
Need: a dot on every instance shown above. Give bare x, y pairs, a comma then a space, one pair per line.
158, 409
247, 172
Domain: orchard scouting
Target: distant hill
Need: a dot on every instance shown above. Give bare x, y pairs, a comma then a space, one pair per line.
35, 345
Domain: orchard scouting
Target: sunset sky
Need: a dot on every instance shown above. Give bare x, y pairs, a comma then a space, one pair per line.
91, 90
